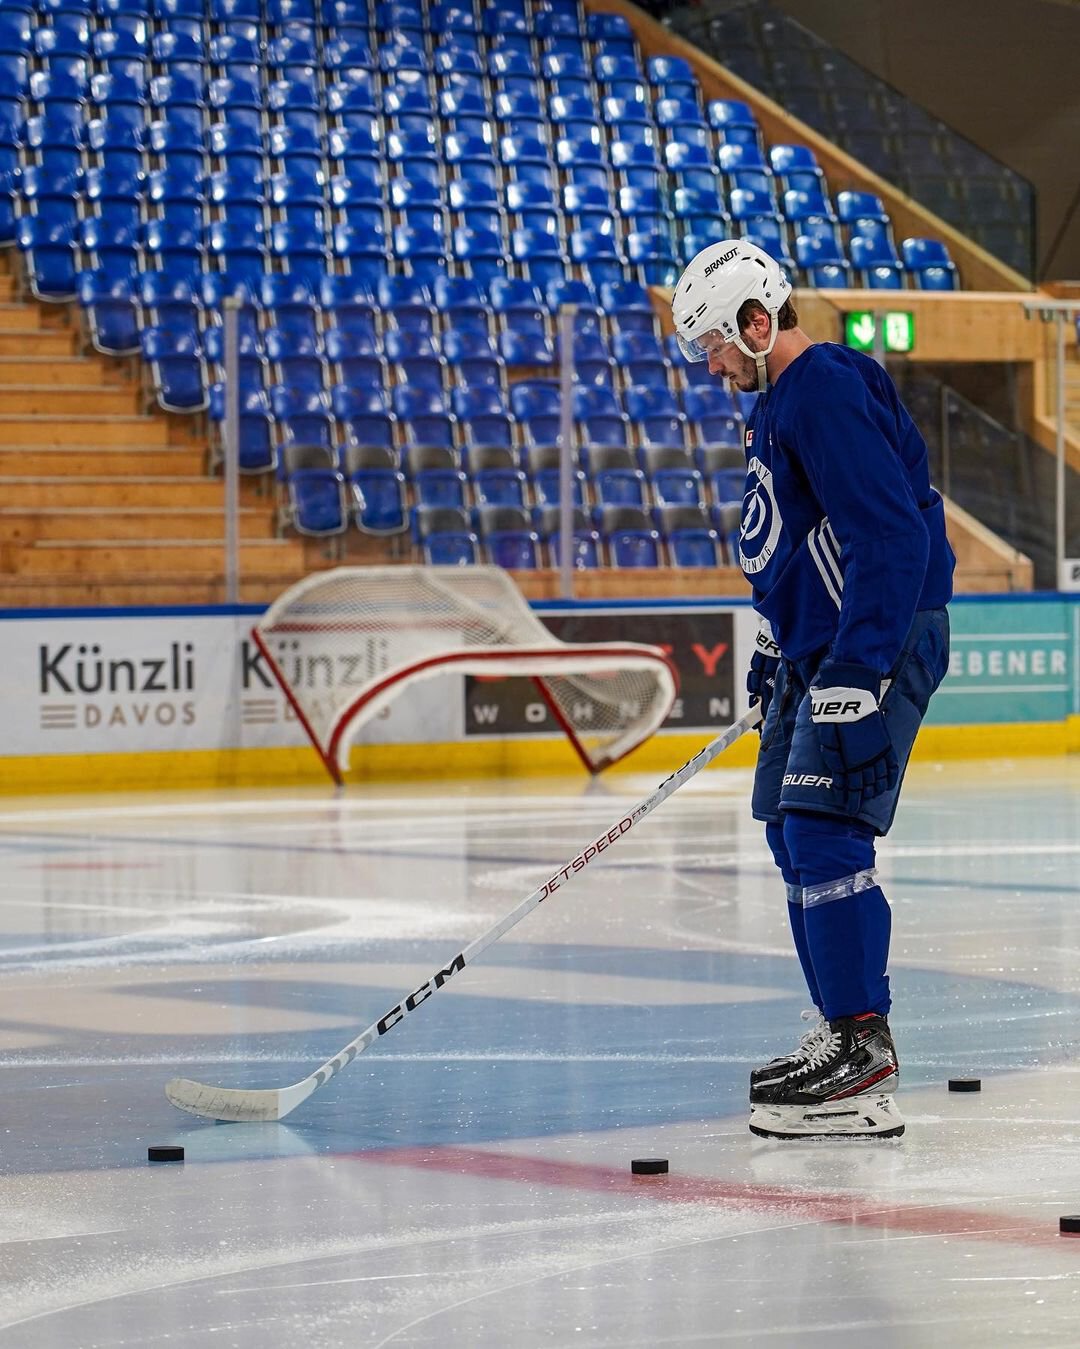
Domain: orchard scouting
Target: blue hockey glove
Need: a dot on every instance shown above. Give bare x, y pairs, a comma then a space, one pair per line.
761, 677
852, 732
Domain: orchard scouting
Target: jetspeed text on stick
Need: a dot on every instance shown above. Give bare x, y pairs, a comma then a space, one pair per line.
584, 857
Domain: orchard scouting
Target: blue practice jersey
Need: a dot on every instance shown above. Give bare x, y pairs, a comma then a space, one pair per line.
842, 536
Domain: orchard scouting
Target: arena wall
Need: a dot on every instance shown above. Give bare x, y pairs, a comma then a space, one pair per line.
173, 698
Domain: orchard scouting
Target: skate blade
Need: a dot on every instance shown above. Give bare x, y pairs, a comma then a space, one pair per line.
872, 1116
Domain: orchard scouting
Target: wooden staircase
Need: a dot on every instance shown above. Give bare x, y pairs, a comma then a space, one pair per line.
106, 501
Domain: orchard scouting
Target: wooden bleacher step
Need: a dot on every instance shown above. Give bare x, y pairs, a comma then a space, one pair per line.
75, 524
37, 342
26, 429
46, 492
108, 558
45, 372
150, 461
86, 400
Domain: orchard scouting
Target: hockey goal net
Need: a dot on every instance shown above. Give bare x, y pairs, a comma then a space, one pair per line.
343, 644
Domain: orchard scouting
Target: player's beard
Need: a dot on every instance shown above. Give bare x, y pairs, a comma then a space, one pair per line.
745, 376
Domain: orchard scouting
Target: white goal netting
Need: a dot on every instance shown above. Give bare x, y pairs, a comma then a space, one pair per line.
343, 644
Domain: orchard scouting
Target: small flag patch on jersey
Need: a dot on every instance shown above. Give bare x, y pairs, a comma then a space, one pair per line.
749, 439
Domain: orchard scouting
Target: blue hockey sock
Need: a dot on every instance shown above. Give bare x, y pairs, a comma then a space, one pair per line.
847, 919
774, 837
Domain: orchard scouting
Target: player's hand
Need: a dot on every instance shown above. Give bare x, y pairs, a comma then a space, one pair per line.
761, 677
852, 733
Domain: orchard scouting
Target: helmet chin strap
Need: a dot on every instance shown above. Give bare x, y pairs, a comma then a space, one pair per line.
759, 357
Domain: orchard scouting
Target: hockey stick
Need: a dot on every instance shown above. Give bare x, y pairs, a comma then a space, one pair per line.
240, 1104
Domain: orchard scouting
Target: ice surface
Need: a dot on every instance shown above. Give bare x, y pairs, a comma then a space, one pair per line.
467, 1180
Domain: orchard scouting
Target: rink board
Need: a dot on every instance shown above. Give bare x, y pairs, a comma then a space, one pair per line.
168, 698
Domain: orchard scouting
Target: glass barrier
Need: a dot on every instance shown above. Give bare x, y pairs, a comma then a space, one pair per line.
995, 472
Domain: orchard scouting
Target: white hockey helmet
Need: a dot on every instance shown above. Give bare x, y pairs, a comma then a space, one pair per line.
717, 282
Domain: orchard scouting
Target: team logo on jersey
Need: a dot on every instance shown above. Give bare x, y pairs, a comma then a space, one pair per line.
761, 524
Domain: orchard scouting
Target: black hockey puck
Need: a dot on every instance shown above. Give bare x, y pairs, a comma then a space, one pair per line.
165, 1152
1069, 1226
649, 1166
965, 1084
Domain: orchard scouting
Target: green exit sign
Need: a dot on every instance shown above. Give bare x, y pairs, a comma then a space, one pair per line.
860, 327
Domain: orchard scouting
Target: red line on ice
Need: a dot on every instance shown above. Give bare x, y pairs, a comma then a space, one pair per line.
854, 1210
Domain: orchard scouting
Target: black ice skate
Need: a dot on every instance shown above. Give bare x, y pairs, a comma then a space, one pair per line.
842, 1089
776, 1069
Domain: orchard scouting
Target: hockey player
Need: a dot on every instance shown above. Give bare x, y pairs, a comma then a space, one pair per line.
843, 540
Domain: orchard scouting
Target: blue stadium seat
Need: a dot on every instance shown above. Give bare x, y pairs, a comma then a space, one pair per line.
507, 535
350, 50
583, 162
579, 293
407, 302
674, 74
349, 302
364, 414
110, 312
378, 487
855, 207
875, 262
445, 536
296, 355
481, 252
177, 368
526, 348
424, 415
657, 416
796, 166
460, 67
692, 167
541, 254
734, 119
49, 250
453, 17
709, 406
683, 118
302, 416
929, 261
317, 501
462, 303
566, 76
737, 158
652, 257
351, 101
257, 454
472, 358
691, 539
573, 116
640, 358
412, 352
355, 357
636, 161
251, 358
600, 419
435, 486
598, 256
615, 478
484, 421
629, 535
472, 158
821, 261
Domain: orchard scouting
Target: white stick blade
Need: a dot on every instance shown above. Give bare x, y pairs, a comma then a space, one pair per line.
224, 1103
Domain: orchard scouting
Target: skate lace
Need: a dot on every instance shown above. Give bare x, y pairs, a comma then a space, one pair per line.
823, 1050
811, 1037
